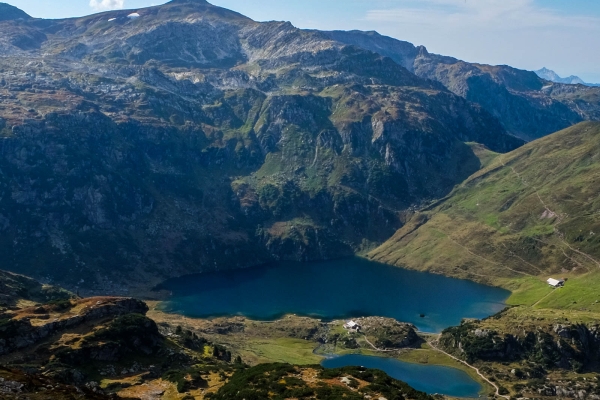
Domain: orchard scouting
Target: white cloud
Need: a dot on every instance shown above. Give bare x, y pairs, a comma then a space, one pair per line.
102, 5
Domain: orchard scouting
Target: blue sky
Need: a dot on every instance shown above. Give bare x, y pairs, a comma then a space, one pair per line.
563, 35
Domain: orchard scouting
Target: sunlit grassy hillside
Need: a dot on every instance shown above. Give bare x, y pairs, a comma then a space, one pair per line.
528, 215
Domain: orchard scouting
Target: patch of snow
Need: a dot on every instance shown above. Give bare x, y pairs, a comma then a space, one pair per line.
133, 15
112, 19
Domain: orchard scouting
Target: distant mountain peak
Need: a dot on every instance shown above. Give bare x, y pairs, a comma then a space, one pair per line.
10, 13
552, 76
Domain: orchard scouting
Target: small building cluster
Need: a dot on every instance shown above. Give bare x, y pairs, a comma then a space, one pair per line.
556, 283
352, 326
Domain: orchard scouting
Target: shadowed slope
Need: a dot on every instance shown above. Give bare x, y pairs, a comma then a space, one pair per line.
8, 12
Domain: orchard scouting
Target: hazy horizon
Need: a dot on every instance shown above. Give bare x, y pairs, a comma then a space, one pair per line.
526, 34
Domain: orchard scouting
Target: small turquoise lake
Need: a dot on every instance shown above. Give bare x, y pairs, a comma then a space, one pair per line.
426, 378
337, 289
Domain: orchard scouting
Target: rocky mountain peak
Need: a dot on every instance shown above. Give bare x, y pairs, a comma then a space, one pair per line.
552, 76
422, 51
193, 3
183, 8
189, 2
9, 13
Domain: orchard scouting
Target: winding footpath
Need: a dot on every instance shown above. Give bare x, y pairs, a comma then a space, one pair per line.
434, 347
559, 218
375, 347
472, 367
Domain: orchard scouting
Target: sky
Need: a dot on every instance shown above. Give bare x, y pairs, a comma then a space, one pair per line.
563, 35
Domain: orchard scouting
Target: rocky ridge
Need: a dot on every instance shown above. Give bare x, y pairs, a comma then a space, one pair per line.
63, 349
29, 326
529, 106
18, 289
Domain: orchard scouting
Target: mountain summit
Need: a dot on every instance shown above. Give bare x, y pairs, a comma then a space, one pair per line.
189, 1
9, 13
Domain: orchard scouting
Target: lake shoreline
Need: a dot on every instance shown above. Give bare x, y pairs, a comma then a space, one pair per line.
451, 381
273, 341
325, 295
340, 289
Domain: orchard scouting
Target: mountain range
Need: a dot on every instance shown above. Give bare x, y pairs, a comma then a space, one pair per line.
552, 76
192, 138
142, 145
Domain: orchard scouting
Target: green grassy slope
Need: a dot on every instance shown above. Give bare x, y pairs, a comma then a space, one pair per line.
528, 215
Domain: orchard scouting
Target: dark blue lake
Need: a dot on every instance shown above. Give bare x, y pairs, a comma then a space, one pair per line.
334, 290
426, 378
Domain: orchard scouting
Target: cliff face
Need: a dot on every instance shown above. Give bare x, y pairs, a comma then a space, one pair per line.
193, 138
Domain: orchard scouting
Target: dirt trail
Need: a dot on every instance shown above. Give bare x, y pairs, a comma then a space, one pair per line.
540, 300
451, 356
470, 366
559, 218
483, 258
374, 347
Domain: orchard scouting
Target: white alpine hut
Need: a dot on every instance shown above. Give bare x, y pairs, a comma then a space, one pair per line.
556, 282
351, 325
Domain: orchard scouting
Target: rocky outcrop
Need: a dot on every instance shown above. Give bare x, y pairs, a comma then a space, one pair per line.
386, 333
128, 334
382, 333
18, 332
572, 347
17, 384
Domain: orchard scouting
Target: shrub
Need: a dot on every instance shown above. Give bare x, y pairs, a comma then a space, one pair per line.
180, 378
